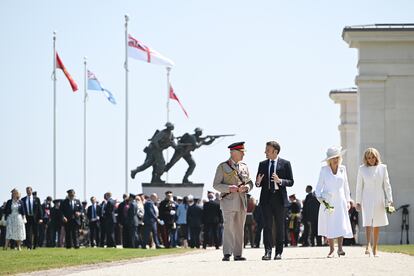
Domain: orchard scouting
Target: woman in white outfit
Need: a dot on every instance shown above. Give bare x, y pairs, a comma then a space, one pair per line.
333, 189
373, 194
15, 218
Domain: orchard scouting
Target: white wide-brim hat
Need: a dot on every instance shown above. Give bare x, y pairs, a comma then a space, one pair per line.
333, 152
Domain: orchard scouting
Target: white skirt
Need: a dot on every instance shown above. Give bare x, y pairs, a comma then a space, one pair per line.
15, 229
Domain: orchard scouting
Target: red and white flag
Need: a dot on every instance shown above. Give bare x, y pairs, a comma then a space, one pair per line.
138, 50
173, 96
59, 65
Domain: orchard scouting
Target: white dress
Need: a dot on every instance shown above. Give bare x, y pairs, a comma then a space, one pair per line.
334, 189
373, 192
15, 226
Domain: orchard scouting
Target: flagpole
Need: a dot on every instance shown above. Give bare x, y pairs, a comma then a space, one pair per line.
168, 110
168, 93
85, 76
126, 102
54, 114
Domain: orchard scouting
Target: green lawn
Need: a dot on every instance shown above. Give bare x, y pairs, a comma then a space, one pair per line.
405, 249
13, 261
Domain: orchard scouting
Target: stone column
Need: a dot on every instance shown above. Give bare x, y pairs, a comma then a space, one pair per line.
348, 129
386, 107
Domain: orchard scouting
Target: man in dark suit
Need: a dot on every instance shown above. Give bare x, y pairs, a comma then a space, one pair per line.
194, 221
93, 213
71, 209
108, 218
34, 214
150, 221
122, 212
56, 223
211, 220
273, 176
132, 222
310, 213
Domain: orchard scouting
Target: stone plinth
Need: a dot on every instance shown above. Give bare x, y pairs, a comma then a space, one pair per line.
178, 189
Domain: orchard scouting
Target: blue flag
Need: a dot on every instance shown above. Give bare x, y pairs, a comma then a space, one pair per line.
93, 84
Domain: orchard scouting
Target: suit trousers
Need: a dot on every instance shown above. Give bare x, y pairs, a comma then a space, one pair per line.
126, 236
314, 233
93, 233
110, 233
305, 234
71, 234
233, 236
210, 230
150, 227
195, 237
274, 209
32, 232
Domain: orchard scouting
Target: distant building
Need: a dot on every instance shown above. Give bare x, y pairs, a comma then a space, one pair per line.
380, 112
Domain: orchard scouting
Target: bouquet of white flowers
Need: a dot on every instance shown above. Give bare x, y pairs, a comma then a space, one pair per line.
328, 207
389, 209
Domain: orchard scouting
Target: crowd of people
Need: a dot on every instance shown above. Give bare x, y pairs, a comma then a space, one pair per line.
231, 219
138, 221
141, 221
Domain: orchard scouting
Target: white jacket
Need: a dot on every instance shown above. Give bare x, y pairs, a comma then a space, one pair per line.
373, 192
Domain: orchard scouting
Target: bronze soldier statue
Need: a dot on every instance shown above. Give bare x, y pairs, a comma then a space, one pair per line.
160, 141
188, 143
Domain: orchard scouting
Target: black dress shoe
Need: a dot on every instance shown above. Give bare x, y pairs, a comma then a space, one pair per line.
278, 257
239, 258
267, 256
226, 258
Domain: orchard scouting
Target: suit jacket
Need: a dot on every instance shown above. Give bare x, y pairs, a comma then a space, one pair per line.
310, 209
211, 212
284, 171
120, 213
89, 211
150, 216
132, 216
56, 217
7, 209
37, 208
69, 213
194, 216
109, 211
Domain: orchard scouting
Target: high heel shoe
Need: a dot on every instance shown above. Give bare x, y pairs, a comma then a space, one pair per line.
341, 253
367, 252
330, 255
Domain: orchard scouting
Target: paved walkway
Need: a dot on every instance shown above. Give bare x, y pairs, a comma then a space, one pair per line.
296, 261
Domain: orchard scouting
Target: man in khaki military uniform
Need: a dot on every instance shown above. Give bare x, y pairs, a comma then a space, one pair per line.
233, 181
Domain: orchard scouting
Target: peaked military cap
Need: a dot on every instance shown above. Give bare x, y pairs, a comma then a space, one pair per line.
237, 146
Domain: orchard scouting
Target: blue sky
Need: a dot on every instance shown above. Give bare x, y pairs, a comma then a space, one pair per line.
261, 70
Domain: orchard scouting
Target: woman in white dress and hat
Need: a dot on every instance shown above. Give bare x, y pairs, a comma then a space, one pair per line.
332, 191
373, 195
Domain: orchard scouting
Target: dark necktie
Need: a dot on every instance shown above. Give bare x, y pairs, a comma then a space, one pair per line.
93, 212
271, 171
30, 207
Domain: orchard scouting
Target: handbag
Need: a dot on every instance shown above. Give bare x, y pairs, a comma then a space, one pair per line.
3, 221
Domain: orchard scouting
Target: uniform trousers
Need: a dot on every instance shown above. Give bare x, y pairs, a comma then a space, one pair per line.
233, 236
